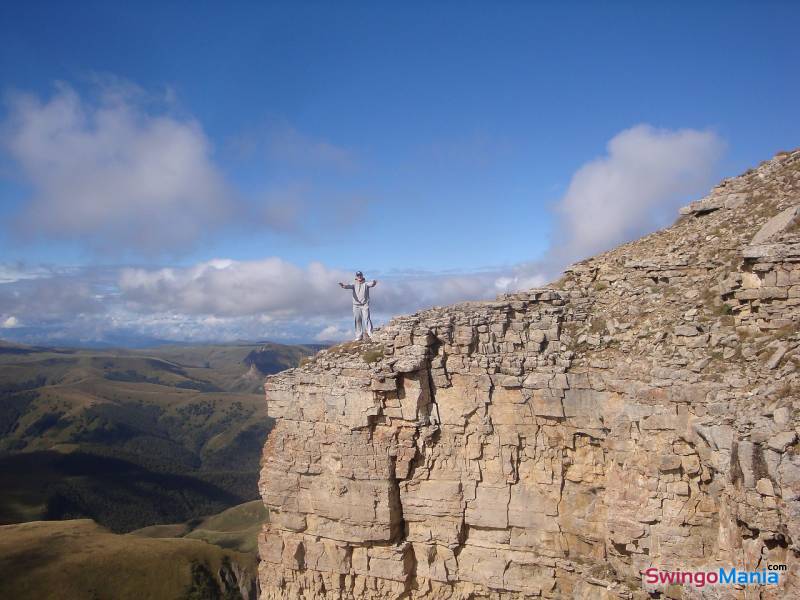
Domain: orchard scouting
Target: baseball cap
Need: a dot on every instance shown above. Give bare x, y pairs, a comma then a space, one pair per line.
359, 274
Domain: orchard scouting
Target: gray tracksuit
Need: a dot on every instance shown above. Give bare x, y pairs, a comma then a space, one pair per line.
361, 307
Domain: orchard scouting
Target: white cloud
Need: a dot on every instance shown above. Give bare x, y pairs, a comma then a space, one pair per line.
636, 187
9, 273
331, 333
62, 295
110, 173
10, 323
521, 277
236, 288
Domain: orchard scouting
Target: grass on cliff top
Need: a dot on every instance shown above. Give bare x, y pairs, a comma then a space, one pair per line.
369, 351
80, 560
373, 354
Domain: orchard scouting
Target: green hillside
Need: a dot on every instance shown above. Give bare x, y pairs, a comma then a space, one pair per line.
235, 528
80, 560
132, 438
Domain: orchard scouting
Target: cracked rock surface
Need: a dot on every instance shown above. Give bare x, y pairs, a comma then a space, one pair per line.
641, 411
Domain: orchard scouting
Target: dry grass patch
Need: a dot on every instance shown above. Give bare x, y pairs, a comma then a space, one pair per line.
373, 354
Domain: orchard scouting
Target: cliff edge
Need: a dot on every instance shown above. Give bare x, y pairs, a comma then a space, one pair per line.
642, 412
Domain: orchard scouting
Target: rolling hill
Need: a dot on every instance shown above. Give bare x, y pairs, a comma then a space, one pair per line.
235, 528
132, 438
81, 560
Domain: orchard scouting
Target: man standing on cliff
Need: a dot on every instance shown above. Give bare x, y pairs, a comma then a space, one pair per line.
361, 304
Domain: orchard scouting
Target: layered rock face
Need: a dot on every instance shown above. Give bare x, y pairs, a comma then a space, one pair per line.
642, 412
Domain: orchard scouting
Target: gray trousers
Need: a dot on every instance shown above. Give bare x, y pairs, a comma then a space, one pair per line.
362, 320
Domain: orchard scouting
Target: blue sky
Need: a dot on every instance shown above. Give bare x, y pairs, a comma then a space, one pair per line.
437, 146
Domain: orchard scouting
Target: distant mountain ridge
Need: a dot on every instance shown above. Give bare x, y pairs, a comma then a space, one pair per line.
35, 337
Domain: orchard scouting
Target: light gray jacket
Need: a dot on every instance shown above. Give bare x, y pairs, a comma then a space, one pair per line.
360, 292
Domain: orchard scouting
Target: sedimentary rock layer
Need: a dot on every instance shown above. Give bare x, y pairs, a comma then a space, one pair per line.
640, 412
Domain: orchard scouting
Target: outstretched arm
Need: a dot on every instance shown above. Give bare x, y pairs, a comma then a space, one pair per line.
374, 283
345, 286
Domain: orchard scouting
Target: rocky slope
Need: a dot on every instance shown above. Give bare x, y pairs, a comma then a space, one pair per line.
556, 442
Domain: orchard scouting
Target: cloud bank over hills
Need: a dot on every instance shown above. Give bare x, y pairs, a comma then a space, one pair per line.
218, 300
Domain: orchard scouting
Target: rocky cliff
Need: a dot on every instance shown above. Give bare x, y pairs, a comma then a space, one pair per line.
642, 411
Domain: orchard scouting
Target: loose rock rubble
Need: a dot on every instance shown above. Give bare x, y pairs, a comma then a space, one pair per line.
643, 411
